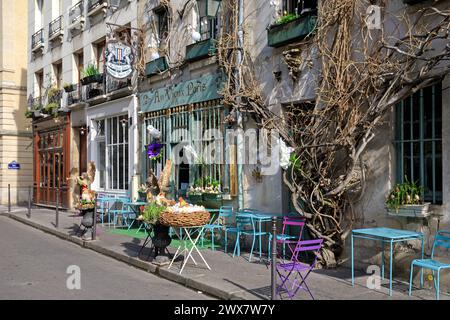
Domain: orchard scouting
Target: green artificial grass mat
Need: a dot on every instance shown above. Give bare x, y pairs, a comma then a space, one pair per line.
132, 233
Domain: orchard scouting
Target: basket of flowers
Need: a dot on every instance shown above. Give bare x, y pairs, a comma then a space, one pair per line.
183, 214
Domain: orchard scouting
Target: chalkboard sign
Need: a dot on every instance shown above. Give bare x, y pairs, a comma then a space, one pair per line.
14, 165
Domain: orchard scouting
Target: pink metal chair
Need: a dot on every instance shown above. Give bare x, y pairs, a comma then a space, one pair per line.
285, 238
294, 273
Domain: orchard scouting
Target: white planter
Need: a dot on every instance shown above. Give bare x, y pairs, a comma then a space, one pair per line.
411, 210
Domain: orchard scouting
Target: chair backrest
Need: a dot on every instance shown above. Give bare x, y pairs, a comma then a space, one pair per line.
442, 239
293, 222
313, 246
226, 211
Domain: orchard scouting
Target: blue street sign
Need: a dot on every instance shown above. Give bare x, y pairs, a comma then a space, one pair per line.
14, 165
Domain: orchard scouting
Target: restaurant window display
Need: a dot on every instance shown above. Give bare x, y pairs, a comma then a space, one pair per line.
112, 152
193, 138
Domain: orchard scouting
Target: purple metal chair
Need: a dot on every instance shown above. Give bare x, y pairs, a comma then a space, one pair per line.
297, 270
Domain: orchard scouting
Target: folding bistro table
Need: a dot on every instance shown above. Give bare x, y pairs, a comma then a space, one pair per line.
384, 235
185, 234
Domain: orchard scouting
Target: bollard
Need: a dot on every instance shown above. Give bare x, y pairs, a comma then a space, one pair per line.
29, 202
274, 260
94, 226
9, 197
57, 210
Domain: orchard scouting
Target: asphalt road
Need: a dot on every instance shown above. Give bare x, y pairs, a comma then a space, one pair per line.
33, 265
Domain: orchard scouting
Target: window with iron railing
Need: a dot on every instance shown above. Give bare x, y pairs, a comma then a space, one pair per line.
200, 124
37, 39
298, 7
75, 12
55, 27
418, 141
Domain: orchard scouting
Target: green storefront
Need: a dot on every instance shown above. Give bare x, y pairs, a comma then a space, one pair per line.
190, 116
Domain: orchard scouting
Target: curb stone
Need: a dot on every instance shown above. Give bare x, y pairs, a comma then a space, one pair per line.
148, 267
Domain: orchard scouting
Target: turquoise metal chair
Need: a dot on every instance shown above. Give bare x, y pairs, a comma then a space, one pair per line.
245, 225
120, 208
225, 212
442, 239
103, 205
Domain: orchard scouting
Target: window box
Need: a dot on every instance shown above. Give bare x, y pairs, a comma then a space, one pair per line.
195, 198
156, 66
411, 210
96, 78
410, 2
69, 88
200, 50
297, 29
212, 200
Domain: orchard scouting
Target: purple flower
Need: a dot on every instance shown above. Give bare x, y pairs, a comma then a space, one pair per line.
154, 149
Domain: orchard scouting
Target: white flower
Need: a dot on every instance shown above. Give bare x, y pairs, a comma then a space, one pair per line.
155, 133
285, 154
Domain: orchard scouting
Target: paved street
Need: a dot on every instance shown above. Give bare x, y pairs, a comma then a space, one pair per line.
33, 266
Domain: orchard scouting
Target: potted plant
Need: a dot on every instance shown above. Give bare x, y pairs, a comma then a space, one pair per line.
68, 87
212, 195
406, 199
90, 75
161, 238
51, 108
195, 192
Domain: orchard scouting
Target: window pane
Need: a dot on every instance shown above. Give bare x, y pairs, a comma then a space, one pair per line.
121, 167
416, 116
115, 183
407, 119
114, 130
126, 167
438, 111
101, 163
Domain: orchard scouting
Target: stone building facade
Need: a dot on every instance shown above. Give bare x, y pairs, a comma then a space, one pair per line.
15, 129
91, 117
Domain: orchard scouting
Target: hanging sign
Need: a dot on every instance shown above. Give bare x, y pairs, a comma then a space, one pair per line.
14, 165
119, 60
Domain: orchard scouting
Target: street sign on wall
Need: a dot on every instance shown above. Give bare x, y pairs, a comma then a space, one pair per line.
14, 165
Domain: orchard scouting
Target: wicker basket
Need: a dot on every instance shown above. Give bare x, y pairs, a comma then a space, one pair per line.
179, 220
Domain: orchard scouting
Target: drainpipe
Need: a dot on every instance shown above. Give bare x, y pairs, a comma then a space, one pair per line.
240, 139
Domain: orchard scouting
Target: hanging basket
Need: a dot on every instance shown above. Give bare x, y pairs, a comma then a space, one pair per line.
178, 220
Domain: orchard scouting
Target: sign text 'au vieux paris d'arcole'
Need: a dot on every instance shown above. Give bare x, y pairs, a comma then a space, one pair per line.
202, 89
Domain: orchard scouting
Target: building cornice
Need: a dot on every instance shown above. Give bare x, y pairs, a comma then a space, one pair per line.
12, 87
11, 133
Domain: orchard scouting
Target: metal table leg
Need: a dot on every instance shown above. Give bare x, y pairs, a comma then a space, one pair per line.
390, 269
353, 263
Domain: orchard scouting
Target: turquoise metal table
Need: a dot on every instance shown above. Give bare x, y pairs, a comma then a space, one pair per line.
384, 235
260, 217
134, 207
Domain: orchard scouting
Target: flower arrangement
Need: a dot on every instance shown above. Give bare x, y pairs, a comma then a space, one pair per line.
407, 193
154, 151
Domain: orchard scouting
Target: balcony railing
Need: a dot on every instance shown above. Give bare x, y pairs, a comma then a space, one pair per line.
200, 50
37, 39
55, 27
74, 96
94, 4
35, 103
76, 12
